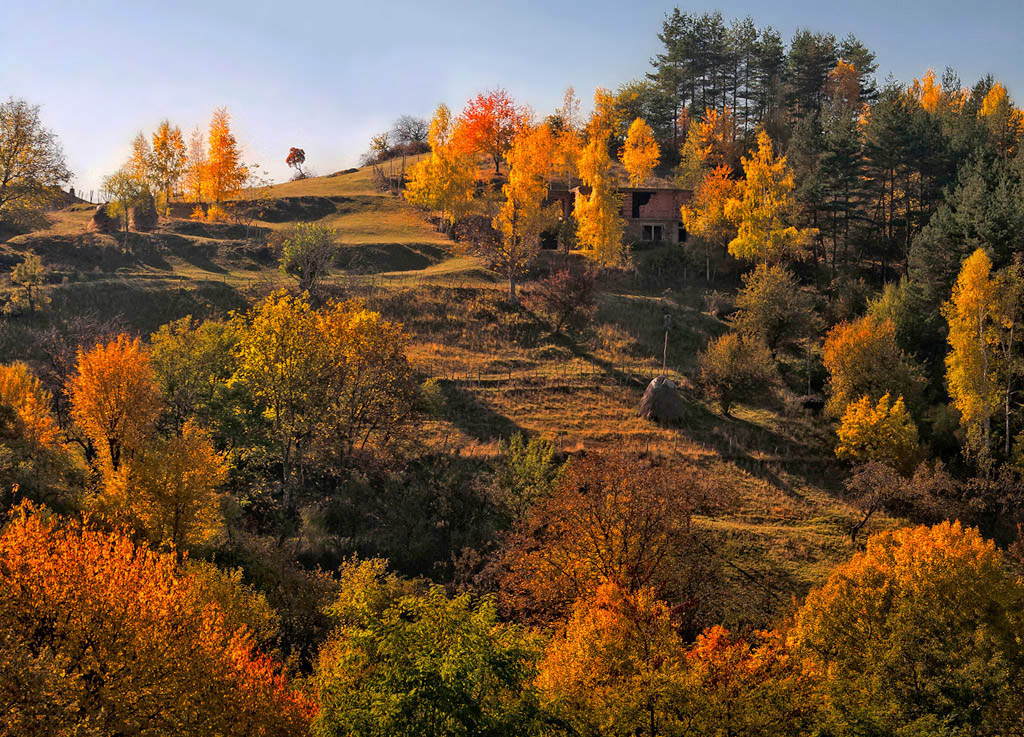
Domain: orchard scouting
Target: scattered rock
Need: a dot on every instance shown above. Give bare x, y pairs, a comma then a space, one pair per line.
812, 402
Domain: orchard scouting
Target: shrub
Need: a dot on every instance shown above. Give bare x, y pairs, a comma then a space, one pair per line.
773, 307
736, 368
566, 297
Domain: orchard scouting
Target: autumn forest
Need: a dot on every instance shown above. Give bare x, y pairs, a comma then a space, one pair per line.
691, 407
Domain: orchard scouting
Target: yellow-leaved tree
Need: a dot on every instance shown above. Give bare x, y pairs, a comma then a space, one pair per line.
972, 364
763, 209
444, 180
168, 159
918, 634
523, 216
704, 216
640, 153
174, 489
328, 381
196, 172
568, 140
881, 432
599, 213
1004, 121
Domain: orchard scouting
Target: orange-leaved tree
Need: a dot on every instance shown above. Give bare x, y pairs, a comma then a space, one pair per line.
746, 688
30, 407
611, 518
863, 358
103, 637
711, 142
488, 124
617, 667
225, 170
704, 216
115, 401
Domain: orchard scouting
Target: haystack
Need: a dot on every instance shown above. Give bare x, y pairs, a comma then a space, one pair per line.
661, 401
144, 216
102, 222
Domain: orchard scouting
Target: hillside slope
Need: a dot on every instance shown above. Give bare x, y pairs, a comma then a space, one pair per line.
776, 522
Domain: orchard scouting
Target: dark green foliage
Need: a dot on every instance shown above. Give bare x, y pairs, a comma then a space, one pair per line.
773, 307
527, 472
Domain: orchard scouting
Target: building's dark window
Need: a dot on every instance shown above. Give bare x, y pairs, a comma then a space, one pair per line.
652, 233
639, 199
682, 233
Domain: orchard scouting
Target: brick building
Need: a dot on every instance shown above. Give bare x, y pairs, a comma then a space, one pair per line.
651, 212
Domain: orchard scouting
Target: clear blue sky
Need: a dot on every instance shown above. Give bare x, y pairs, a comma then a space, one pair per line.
324, 76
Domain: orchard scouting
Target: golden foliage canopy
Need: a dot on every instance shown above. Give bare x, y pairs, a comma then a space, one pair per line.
640, 153
863, 358
919, 634
444, 180
764, 208
115, 400
878, 432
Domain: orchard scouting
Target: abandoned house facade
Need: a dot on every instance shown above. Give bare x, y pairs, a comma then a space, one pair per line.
651, 212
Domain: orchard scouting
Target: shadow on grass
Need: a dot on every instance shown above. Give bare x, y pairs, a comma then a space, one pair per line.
143, 306
474, 418
374, 258
191, 252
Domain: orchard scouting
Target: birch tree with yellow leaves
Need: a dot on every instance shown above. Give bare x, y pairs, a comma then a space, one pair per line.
982, 364
599, 213
523, 216
168, 159
445, 180
640, 153
763, 209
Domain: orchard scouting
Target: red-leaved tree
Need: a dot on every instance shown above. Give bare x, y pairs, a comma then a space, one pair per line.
296, 158
488, 124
